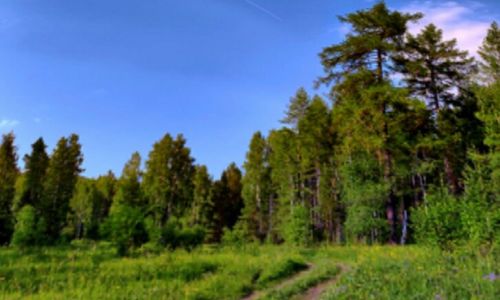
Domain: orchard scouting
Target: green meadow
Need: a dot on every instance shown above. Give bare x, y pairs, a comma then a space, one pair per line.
94, 271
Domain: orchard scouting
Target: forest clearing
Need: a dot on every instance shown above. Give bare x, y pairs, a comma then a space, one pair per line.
381, 181
87, 270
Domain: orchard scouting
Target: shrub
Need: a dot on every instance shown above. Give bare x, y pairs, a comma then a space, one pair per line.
174, 235
28, 230
298, 229
480, 211
438, 222
125, 227
236, 237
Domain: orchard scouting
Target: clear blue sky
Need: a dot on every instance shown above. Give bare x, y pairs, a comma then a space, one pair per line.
121, 74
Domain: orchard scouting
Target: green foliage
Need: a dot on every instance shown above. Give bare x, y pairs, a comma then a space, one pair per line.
432, 67
480, 210
228, 202
298, 227
86, 209
168, 179
418, 273
236, 237
490, 55
30, 190
297, 108
203, 206
322, 271
280, 270
125, 227
364, 195
28, 230
438, 222
106, 186
489, 114
8, 175
174, 235
128, 187
256, 191
375, 32
285, 176
59, 184
350, 168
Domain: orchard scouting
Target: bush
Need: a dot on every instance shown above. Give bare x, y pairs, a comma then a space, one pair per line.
480, 210
174, 235
28, 230
298, 228
125, 228
438, 222
236, 237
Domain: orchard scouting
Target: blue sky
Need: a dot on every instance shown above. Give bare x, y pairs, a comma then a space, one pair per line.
121, 74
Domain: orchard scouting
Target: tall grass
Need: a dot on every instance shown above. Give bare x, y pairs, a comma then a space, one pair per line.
93, 271
420, 273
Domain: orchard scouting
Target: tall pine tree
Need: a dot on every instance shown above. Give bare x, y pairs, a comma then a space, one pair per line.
59, 185
36, 165
8, 175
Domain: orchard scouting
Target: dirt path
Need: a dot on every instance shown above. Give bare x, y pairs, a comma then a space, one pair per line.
314, 293
287, 281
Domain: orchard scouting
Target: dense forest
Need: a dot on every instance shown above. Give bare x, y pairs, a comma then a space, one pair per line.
405, 148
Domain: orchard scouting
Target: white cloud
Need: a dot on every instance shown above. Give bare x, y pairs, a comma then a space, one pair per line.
6, 123
457, 20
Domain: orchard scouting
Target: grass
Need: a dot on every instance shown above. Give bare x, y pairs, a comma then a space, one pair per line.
419, 273
93, 271
321, 272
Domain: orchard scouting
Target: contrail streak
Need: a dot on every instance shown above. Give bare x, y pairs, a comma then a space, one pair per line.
264, 10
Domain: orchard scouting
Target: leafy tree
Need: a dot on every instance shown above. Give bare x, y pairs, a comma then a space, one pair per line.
480, 208
376, 34
438, 222
360, 65
203, 207
256, 189
433, 70
489, 105
297, 108
227, 200
128, 187
315, 148
28, 230
86, 206
31, 191
125, 227
8, 175
297, 231
106, 185
489, 99
61, 177
286, 179
168, 180
490, 55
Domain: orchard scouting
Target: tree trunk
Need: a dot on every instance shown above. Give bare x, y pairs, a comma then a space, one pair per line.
451, 179
391, 199
380, 66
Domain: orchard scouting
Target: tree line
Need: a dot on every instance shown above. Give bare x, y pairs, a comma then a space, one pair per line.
405, 149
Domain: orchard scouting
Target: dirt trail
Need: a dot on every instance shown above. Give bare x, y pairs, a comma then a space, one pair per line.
314, 293
287, 281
